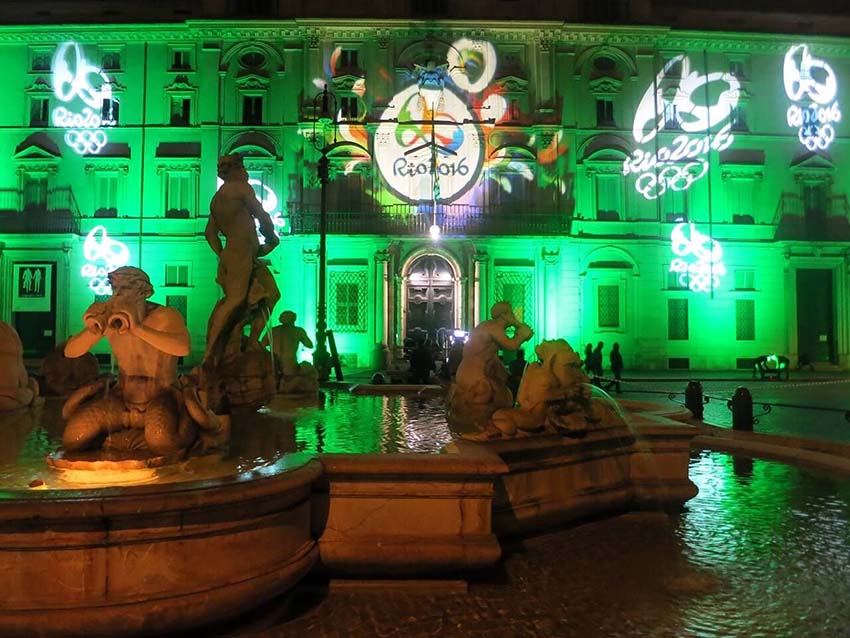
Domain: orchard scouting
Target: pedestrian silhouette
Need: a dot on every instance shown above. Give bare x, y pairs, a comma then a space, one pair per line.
596, 363
616, 359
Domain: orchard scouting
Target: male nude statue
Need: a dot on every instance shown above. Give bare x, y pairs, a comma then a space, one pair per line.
144, 410
286, 338
245, 281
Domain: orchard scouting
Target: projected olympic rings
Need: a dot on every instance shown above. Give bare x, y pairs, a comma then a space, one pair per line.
808, 79
75, 78
104, 255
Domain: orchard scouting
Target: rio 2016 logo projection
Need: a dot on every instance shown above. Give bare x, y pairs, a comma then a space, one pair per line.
439, 140
87, 92
103, 255
683, 162
699, 258
429, 146
811, 86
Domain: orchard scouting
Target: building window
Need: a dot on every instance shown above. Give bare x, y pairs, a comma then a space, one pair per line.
347, 301
176, 274
814, 199
106, 193
745, 279
605, 113
252, 109
180, 303
39, 111
348, 107
745, 319
740, 195
181, 110
609, 196
737, 118
677, 280
674, 204
181, 60
179, 195
516, 287
608, 306
677, 319
109, 112
41, 62
35, 192
671, 117
111, 61
737, 68
348, 59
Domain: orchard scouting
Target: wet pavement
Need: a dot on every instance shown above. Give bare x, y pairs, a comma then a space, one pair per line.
763, 550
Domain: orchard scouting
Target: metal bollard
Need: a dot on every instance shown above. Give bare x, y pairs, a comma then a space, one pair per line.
693, 399
741, 405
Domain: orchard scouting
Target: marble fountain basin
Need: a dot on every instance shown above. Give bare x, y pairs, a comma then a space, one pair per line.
356, 486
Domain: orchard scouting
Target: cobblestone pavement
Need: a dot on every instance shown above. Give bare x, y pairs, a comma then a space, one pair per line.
557, 585
626, 576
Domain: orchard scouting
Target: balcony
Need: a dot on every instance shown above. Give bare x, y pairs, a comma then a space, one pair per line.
58, 213
829, 222
408, 219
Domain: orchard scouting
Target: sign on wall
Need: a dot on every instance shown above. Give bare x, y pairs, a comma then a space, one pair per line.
32, 287
681, 101
811, 85
699, 258
88, 105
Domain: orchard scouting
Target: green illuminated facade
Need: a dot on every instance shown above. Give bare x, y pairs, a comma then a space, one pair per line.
556, 160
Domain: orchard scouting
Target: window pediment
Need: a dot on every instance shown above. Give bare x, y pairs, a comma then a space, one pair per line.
180, 85
37, 148
40, 87
513, 85
252, 82
346, 83
605, 86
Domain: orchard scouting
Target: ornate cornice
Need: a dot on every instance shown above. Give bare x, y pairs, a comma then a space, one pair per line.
165, 165
546, 35
106, 165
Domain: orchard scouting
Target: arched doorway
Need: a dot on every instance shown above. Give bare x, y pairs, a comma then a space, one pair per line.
430, 299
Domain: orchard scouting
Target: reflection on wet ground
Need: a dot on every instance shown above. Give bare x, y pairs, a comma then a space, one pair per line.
262, 441
763, 550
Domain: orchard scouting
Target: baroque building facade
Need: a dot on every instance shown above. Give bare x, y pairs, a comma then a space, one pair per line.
681, 193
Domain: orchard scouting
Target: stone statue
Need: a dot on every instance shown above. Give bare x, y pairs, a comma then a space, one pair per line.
554, 394
250, 291
62, 375
147, 409
285, 340
17, 388
480, 386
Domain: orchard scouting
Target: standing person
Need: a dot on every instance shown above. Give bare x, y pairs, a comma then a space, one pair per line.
596, 359
616, 359
421, 362
588, 359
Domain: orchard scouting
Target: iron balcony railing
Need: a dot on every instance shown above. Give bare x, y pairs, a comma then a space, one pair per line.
408, 219
56, 212
828, 221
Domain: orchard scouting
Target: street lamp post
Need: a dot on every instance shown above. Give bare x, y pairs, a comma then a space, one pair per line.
322, 359
321, 356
